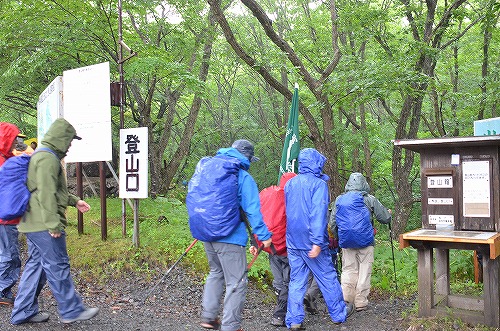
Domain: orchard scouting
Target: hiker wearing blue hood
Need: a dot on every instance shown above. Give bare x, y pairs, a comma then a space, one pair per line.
351, 223
306, 200
227, 256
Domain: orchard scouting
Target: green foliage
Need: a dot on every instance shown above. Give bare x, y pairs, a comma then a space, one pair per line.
404, 262
164, 236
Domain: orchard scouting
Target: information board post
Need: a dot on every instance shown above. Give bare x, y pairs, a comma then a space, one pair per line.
460, 189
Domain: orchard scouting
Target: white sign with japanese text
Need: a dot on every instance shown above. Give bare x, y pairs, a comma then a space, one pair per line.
440, 182
440, 201
134, 163
476, 188
49, 106
441, 219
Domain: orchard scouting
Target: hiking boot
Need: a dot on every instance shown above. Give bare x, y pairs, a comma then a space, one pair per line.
84, 315
350, 309
310, 305
297, 327
361, 308
6, 301
278, 321
213, 325
38, 318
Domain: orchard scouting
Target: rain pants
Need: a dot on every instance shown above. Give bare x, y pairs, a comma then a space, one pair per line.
48, 259
306, 199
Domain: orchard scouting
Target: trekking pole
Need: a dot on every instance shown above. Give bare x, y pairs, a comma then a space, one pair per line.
393, 260
249, 228
170, 269
390, 235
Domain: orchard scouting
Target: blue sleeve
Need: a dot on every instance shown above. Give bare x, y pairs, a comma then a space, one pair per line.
319, 209
248, 195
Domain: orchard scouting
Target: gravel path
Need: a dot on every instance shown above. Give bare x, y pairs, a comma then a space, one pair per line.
175, 305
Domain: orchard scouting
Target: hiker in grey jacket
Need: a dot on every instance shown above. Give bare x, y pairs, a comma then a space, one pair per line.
357, 245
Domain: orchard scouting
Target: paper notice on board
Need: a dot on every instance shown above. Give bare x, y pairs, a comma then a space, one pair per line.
476, 188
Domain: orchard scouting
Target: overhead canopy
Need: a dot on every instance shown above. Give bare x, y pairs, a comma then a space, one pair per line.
418, 145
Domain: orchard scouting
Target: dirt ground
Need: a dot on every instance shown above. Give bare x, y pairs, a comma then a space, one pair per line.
174, 305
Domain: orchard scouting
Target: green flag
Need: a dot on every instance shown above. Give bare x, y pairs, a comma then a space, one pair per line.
291, 147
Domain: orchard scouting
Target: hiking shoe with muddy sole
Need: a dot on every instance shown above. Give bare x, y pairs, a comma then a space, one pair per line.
211, 325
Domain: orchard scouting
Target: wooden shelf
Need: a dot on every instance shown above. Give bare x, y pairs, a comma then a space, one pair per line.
492, 239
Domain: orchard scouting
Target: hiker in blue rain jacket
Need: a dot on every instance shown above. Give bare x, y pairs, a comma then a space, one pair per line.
306, 200
227, 256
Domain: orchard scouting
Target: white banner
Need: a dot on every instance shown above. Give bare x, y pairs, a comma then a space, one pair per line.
87, 106
134, 163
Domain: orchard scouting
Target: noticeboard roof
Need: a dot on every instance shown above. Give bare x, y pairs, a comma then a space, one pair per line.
420, 144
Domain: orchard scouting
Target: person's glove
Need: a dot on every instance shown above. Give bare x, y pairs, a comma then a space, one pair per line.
333, 243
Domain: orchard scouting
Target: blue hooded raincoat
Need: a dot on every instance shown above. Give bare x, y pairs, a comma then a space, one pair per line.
306, 199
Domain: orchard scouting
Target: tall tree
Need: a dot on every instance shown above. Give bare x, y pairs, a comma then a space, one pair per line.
321, 134
428, 26
167, 83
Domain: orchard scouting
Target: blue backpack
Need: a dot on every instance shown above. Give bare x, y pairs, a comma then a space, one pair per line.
353, 218
212, 198
14, 193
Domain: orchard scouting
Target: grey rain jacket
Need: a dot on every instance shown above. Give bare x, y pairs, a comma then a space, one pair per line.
357, 182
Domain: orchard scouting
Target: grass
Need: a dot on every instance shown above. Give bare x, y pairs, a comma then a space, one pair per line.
164, 236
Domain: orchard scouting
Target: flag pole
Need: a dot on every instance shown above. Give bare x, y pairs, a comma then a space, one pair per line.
291, 145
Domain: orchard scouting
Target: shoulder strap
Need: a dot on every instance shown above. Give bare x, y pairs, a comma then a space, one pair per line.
45, 149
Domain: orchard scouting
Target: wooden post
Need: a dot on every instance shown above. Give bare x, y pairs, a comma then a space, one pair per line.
425, 281
135, 236
491, 291
443, 273
104, 224
478, 270
79, 192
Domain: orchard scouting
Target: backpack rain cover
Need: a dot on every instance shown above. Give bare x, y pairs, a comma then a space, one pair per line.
212, 198
353, 220
14, 194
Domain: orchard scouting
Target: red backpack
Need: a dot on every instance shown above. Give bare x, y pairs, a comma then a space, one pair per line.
272, 206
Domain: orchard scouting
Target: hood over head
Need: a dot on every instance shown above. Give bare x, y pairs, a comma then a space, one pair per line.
8, 133
311, 162
357, 182
59, 136
285, 178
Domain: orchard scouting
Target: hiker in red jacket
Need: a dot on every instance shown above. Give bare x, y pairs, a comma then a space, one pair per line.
272, 206
10, 263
